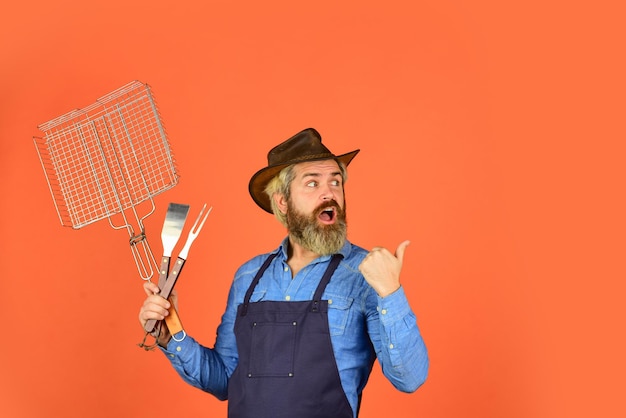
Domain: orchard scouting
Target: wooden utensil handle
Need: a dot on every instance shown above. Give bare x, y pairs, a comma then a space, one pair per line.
174, 325
173, 320
172, 278
166, 290
163, 271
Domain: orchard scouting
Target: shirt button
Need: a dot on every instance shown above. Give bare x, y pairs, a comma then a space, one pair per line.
171, 355
384, 311
287, 297
390, 345
178, 348
330, 301
286, 268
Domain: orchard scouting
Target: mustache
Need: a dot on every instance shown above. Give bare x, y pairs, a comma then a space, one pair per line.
328, 204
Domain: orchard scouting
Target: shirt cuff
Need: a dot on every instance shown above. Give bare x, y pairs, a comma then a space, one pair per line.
393, 307
179, 347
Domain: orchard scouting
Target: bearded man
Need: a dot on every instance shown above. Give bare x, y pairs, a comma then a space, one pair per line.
304, 323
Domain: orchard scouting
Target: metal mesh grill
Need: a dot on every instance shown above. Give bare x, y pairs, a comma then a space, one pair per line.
107, 157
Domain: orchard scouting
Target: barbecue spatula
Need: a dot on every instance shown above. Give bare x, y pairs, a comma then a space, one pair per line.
172, 228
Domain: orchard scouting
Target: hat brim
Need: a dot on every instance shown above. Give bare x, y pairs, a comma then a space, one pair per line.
261, 178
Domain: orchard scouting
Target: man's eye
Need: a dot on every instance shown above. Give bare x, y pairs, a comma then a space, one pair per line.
335, 182
311, 184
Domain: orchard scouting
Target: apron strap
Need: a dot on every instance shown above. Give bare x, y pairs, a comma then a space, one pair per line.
255, 281
332, 266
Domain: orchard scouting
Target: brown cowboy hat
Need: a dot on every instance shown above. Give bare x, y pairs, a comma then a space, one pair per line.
302, 147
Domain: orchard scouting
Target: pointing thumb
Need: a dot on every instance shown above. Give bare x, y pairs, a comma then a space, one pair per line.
400, 250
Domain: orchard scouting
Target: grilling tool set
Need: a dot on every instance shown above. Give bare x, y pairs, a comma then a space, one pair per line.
172, 228
109, 160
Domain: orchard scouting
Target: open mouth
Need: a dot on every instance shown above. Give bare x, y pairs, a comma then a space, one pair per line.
327, 215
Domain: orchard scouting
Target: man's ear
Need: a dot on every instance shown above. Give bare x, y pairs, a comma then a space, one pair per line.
280, 201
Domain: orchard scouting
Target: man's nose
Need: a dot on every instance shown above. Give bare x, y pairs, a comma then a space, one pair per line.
327, 193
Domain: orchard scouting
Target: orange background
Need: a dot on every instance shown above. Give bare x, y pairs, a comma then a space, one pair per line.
492, 137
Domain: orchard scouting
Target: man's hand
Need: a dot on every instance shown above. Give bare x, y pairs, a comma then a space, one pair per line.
156, 307
381, 269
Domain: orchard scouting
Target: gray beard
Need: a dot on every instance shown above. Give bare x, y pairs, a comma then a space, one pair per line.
305, 230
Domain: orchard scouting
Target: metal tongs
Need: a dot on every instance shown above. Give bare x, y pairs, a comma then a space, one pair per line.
167, 286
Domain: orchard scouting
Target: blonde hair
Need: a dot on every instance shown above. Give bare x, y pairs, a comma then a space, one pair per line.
281, 184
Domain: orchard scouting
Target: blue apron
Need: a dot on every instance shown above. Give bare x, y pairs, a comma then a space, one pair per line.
286, 366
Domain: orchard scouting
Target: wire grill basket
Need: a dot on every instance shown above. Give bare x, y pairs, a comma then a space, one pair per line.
107, 159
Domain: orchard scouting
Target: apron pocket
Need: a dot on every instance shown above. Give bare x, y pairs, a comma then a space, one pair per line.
272, 349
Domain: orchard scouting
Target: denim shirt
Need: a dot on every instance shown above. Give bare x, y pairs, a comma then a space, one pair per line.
363, 326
